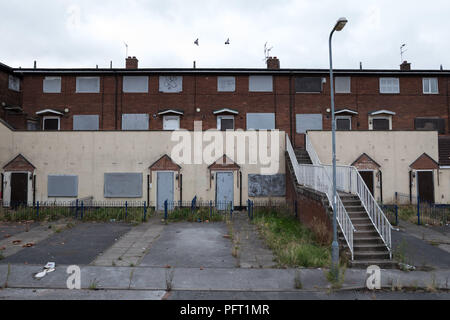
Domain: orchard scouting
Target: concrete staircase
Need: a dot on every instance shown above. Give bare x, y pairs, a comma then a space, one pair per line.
368, 246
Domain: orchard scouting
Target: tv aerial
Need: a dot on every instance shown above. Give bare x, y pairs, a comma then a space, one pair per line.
402, 51
267, 51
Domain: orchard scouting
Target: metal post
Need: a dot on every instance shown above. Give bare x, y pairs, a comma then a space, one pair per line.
37, 211
210, 209
231, 209
396, 215
145, 211
126, 210
334, 245
165, 210
76, 209
418, 210
82, 209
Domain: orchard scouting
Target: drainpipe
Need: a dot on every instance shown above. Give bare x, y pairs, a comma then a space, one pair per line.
115, 102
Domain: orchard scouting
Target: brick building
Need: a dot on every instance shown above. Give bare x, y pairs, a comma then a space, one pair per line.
292, 100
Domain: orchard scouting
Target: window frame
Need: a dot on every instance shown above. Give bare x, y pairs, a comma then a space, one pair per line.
219, 123
349, 88
51, 78
390, 78
127, 90
218, 89
166, 117
9, 83
349, 118
387, 117
250, 77
50, 118
429, 84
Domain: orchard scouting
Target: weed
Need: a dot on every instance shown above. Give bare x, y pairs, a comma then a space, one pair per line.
2, 256
235, 251
432, 287
331, 277
93, 285
120, 258
400, 253
131, 264
298, 280
169, 278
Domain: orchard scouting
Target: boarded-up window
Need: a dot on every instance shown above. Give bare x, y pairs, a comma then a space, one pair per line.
308, 84
389, 85
135, 84
14, 83
135, 121
226, 84
260, 83
52, 85
123, 185
85, 122
430, 124
88, 85
306, 122
62, 186
260, 121
266, 185
170, 84
342, 84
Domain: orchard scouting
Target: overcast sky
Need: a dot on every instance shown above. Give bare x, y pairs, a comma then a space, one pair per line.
85, 33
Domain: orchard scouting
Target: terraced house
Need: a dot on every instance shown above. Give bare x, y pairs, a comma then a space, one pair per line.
62, 136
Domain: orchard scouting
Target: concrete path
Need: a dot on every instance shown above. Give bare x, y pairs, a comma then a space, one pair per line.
252, 252
34, 235
215, 279
192, 244
131, 247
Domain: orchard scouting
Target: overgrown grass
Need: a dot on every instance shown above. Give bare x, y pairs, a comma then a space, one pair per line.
201, 214
293, 244
102, 214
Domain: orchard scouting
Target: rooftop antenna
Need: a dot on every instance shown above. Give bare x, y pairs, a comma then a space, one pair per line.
267, 51
126, 49
402, 51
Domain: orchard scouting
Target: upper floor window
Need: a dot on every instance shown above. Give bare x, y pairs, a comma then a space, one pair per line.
135, 84
52, 85
308, 84
170, 84
342, 84
430, 85
260, 121
88, 85
260, 83
226, 84
14, 83
389, 85
430, 124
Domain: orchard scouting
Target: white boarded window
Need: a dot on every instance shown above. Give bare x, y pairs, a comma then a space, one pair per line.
135, 84
389, 85
260, 83
170, 84
52, 85
135, 121
85, 122
305, 122
171, 122
14, 83
260, 121
430, 85
62, 186
226, 84
342, 84
88, 85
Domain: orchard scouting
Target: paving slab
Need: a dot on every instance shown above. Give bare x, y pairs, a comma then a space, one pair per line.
78, 245
132, 246
184, 244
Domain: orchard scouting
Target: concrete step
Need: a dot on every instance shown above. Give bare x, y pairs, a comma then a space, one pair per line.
365, 240
364, 226
370, 255
351, 209
365, 234
367, 247
383, 263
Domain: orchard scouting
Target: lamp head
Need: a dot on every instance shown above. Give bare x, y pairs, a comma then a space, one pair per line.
340, 24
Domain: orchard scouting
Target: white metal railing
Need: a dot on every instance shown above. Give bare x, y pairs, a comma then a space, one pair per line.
316, 177
311, 151
349, 180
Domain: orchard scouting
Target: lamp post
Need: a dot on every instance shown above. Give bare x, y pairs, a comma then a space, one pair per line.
340, 24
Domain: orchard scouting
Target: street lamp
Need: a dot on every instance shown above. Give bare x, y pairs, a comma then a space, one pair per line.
340, 24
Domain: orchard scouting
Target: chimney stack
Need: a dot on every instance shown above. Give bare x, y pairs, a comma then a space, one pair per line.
405, 66
273, 63
131, 63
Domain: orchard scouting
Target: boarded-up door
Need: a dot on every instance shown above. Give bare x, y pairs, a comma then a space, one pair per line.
368, 179
425, 186
19, 188
224, 190
164, 189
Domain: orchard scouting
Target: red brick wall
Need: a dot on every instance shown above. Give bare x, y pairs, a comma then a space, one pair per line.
200, 91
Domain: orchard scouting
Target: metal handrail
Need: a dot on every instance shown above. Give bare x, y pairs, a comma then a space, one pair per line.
311, 151
317, 178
